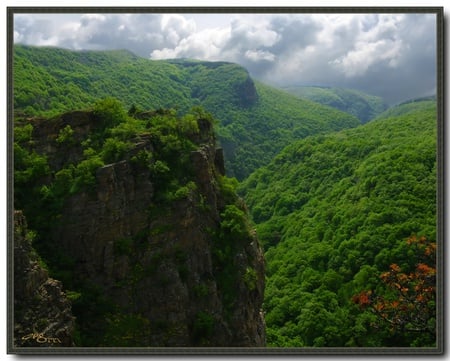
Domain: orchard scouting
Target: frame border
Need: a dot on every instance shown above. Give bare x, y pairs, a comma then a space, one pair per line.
191, 351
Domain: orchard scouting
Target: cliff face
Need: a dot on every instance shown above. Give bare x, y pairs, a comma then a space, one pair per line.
248, 95
152, 272
42, 312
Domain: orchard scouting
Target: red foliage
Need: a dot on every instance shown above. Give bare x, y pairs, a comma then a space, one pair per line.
363, 299
410, 303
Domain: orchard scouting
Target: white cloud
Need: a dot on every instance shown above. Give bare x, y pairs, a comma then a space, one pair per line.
258, 55
206, 45
376, 41
366, 54
334, 49
176, 27
248, 34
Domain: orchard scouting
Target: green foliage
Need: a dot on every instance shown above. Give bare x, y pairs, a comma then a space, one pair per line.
158, 146
63, 182
92, 309
84, 174
233, 225
159, 168
125, 330
250, 278
255, 135
129, 129
143, 158
201, 290
51, 80
189, 124
254, 121
228, 187
73, 295
109, 111
332, 212
123, 246
65, 135
331, 208
28, 166
184, 191
202, 328
113, 150
228, 241
407, 108
363, 106
133, 110
113, 141
406, 301
22, 134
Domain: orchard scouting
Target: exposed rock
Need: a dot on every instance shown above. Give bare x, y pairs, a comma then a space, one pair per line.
247, 93
160, 265
42, 312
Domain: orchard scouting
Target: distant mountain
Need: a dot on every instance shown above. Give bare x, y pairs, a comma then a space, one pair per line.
410, 106
334, 212
255, 120
363, 106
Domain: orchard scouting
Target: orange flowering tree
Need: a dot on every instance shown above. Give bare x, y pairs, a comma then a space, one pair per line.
408, 301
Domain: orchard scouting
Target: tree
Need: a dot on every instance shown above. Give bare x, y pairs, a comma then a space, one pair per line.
408, 303
133, 110
110, 111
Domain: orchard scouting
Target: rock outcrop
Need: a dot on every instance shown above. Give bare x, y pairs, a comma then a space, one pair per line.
247, 93
42, 312
165, 273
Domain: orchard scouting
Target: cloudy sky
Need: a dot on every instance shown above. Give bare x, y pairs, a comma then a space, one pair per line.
390, 55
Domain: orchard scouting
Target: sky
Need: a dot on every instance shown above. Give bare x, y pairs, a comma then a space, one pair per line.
389, 55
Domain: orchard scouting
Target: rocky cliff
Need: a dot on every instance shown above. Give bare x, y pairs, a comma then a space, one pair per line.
153, 265
247, 93
42, 312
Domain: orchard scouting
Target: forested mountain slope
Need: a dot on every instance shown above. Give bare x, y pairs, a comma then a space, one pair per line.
407, 107
126, 204
364, 106
334, 213
255, 121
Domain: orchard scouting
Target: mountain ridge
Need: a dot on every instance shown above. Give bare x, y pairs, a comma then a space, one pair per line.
364, 106
141, 200
57, 80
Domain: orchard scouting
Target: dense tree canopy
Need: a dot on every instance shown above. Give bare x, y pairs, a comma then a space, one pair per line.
408, 303
365, 107
334, 212
255, 121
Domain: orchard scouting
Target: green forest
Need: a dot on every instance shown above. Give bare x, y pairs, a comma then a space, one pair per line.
363, 106
334, 212
342, 190
255, 120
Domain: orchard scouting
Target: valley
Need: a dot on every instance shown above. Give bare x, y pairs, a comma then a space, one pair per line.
265, 214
